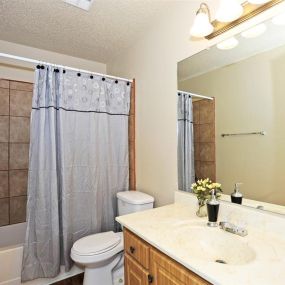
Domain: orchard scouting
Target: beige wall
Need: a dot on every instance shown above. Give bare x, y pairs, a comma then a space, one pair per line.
249, 97
17, 70
153, 62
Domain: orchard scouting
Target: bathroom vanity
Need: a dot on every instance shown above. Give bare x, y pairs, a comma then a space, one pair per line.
171, 245
144, 264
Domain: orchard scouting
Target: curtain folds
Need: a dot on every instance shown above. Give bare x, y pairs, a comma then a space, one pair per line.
78, 162
185, 149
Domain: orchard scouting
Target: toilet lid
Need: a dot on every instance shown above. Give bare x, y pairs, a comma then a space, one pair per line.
97, 243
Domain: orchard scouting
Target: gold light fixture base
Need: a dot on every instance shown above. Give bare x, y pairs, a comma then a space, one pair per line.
249, 11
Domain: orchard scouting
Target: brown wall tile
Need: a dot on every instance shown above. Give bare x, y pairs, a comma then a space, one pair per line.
18, 182
207, 133
18, 209
207, 151
3, 156
196, 105
4, 212
4, 83
197, 169
22, 86
208, 169
131, 127
4, 101
4, 128
207, 111
19, 129
132, 182
19, 156
196, 130
132, 155
20, 103
197, 151
132, 105
4, 191
16, 102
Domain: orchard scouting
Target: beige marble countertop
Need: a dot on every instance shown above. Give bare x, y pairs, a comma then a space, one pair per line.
169, 229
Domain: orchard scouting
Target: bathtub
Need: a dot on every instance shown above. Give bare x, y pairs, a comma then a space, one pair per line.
11, 252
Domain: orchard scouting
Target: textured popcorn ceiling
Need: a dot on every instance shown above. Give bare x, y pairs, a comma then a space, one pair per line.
106, 30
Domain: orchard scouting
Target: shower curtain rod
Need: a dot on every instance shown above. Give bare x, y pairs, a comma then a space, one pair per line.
6, 55
196, 95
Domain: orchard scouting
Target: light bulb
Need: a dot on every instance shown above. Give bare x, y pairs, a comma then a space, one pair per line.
279, 20
202, 26
254, 31
228, 44
258, 2
229, 11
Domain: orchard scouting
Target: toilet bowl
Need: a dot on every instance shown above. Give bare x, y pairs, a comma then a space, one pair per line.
102, 254
99, 254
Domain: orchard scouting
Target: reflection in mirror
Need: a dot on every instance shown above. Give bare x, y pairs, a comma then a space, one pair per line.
193, 110
239, 137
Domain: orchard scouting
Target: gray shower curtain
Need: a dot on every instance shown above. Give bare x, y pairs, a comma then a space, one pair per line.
185, 149
78, 162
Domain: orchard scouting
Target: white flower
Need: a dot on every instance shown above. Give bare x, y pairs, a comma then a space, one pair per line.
200, 188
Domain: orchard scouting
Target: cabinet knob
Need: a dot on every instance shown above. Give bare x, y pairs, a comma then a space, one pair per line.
132, 249
150, 278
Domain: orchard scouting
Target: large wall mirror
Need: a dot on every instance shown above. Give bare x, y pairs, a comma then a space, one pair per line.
237, 135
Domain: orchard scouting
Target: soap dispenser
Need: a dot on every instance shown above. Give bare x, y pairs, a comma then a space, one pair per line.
213, 210
236, 197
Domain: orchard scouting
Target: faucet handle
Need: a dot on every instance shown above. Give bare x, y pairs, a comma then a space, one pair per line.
229, 227
241, 231
224, 224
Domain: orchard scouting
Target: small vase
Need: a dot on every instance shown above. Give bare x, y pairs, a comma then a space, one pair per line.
202, 210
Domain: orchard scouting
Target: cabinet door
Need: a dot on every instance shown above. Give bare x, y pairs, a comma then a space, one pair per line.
166, 271
135, 274
137, 248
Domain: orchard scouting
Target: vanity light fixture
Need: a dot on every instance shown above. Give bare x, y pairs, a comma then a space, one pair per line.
279, 20
82, 4
228, 44
202, 26
229, 10
258, 2
230, 14
254, 31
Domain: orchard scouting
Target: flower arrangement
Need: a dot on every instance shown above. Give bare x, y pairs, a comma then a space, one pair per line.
202, 189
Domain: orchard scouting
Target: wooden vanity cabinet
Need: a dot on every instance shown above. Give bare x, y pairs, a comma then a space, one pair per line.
145, 265
135, 274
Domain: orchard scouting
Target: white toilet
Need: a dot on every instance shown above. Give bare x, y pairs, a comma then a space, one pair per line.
101, 254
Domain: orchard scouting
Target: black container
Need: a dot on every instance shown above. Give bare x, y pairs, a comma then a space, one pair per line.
236, 197
236, 200
213, 210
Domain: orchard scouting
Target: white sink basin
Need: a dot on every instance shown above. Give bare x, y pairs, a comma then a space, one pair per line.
215, 245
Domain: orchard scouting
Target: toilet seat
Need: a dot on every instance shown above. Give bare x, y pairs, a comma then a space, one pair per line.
109, 244
96, 244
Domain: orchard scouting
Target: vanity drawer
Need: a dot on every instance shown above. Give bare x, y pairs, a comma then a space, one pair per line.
137, 248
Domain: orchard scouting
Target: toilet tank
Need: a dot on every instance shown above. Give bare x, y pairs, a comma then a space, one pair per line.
133, 201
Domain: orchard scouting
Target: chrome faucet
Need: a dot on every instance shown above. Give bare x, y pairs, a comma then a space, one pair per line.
231, 228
